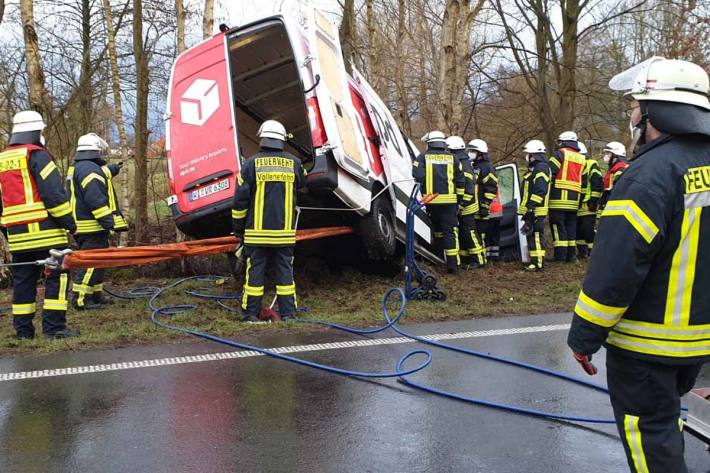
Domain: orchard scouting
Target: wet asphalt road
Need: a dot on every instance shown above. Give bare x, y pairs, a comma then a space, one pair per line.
263, 415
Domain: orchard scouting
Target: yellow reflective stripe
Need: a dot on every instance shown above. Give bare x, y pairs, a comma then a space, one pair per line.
288, 205
663, 331
93, 176
47, 170
286, 290
251, 231
541, 175
15, 209
40, 243
429, 172
81, 288
450, 178
634, 215
54, 304
33, 235
239, 214
536, 198
63, 284
101, 211
107, 172
246, 283
633, 441
445, 199
682, 274
60, 210
253, 290
24, 309
88, 226
596, 312
24, 217
259, 205
674, 349
270, 241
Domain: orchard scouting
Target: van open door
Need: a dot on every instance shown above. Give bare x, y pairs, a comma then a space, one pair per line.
200, 138
512, 242
332, 91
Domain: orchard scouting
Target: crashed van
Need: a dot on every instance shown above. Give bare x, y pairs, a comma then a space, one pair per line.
290, 68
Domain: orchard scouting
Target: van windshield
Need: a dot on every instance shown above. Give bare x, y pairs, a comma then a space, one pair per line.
266, 85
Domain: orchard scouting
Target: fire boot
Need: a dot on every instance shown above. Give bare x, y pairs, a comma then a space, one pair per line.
100, 299
87, 303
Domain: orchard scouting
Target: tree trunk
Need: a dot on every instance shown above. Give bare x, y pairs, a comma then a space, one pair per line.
568, 84
85, 86
347, 34
180, 15
118, 111
372, 48
208, 19
2, 10
39, 99
140, 184
400, 85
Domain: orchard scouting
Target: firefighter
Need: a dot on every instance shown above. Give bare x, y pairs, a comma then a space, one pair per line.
587, 213
615, 158
94, 205
36, 216
487, 184
566, 166
264, 217
439, 172
472, 250
646, 296
533, 208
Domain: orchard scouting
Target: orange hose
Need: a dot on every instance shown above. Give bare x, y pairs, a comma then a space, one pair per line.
137, 255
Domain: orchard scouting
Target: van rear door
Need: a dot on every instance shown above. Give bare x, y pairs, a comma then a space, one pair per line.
200, 131
336, 108
511, 240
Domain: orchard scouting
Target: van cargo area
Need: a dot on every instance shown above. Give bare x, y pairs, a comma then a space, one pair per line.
266, 86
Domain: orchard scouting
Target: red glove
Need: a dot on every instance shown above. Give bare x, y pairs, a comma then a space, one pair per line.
586, 362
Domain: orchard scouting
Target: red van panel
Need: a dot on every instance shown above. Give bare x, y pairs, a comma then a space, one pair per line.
202, 149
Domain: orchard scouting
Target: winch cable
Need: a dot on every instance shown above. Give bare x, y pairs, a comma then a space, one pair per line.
390, 323
175, 309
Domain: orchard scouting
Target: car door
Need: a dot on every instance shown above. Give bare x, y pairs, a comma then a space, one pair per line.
512, 242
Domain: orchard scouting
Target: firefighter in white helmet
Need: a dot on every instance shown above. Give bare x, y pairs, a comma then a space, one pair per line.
566, 167
646, 294
472, 251
439, 172
490, 211
615, 158
264, 217
36, 217
535, 197
589, 201
96, 211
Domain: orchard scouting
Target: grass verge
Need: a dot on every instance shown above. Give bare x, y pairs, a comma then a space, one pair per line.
337, 294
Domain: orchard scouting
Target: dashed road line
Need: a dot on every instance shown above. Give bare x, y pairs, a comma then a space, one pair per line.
183, 360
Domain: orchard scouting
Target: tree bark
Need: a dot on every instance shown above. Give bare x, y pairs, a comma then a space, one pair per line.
117, 110
2, 10
85, 86
568, 84
140, 184
39, 99
400, 84
180, 15
372, 47
347, 34
208, 19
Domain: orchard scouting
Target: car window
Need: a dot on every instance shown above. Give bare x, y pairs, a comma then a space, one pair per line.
506, 181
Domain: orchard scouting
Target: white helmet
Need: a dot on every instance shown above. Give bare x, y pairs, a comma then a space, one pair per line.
616, 148
433, 136
567, 136
91, 142
455, 142
582, 148
534, 146
666, 80
478, 145
27, 120
272, 129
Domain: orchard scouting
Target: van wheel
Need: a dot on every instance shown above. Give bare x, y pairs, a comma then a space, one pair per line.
378, 232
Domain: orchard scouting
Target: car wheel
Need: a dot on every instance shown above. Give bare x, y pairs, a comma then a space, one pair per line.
378, 231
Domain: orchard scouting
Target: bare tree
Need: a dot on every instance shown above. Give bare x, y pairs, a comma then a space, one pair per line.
208, 19
140, 184
39, 98
348, 34
180, 15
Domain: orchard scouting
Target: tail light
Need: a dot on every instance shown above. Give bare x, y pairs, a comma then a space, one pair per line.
318, 135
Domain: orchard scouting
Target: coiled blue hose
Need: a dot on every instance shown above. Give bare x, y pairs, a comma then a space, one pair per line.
390, 323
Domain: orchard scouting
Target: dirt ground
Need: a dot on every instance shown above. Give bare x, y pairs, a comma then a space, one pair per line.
340, 294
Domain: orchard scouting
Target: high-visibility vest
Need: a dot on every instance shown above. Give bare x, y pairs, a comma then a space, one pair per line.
496, 207
21, 202
569, 177
609, 176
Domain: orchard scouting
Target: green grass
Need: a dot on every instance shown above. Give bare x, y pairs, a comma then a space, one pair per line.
339, 295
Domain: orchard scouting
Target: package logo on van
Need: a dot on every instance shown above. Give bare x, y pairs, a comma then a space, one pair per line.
199, 102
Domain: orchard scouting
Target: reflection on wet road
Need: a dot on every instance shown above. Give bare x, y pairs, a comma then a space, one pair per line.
258, 414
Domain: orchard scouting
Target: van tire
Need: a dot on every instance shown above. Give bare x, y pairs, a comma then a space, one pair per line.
378, 231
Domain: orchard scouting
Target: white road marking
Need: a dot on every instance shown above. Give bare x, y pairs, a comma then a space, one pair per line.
183, 360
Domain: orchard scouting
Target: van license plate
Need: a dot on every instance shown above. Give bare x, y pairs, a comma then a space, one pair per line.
209, 190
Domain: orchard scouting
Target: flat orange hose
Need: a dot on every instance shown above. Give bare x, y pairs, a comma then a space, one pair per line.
137, 255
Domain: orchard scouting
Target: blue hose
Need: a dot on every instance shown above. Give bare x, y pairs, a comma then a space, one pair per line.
172, 310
